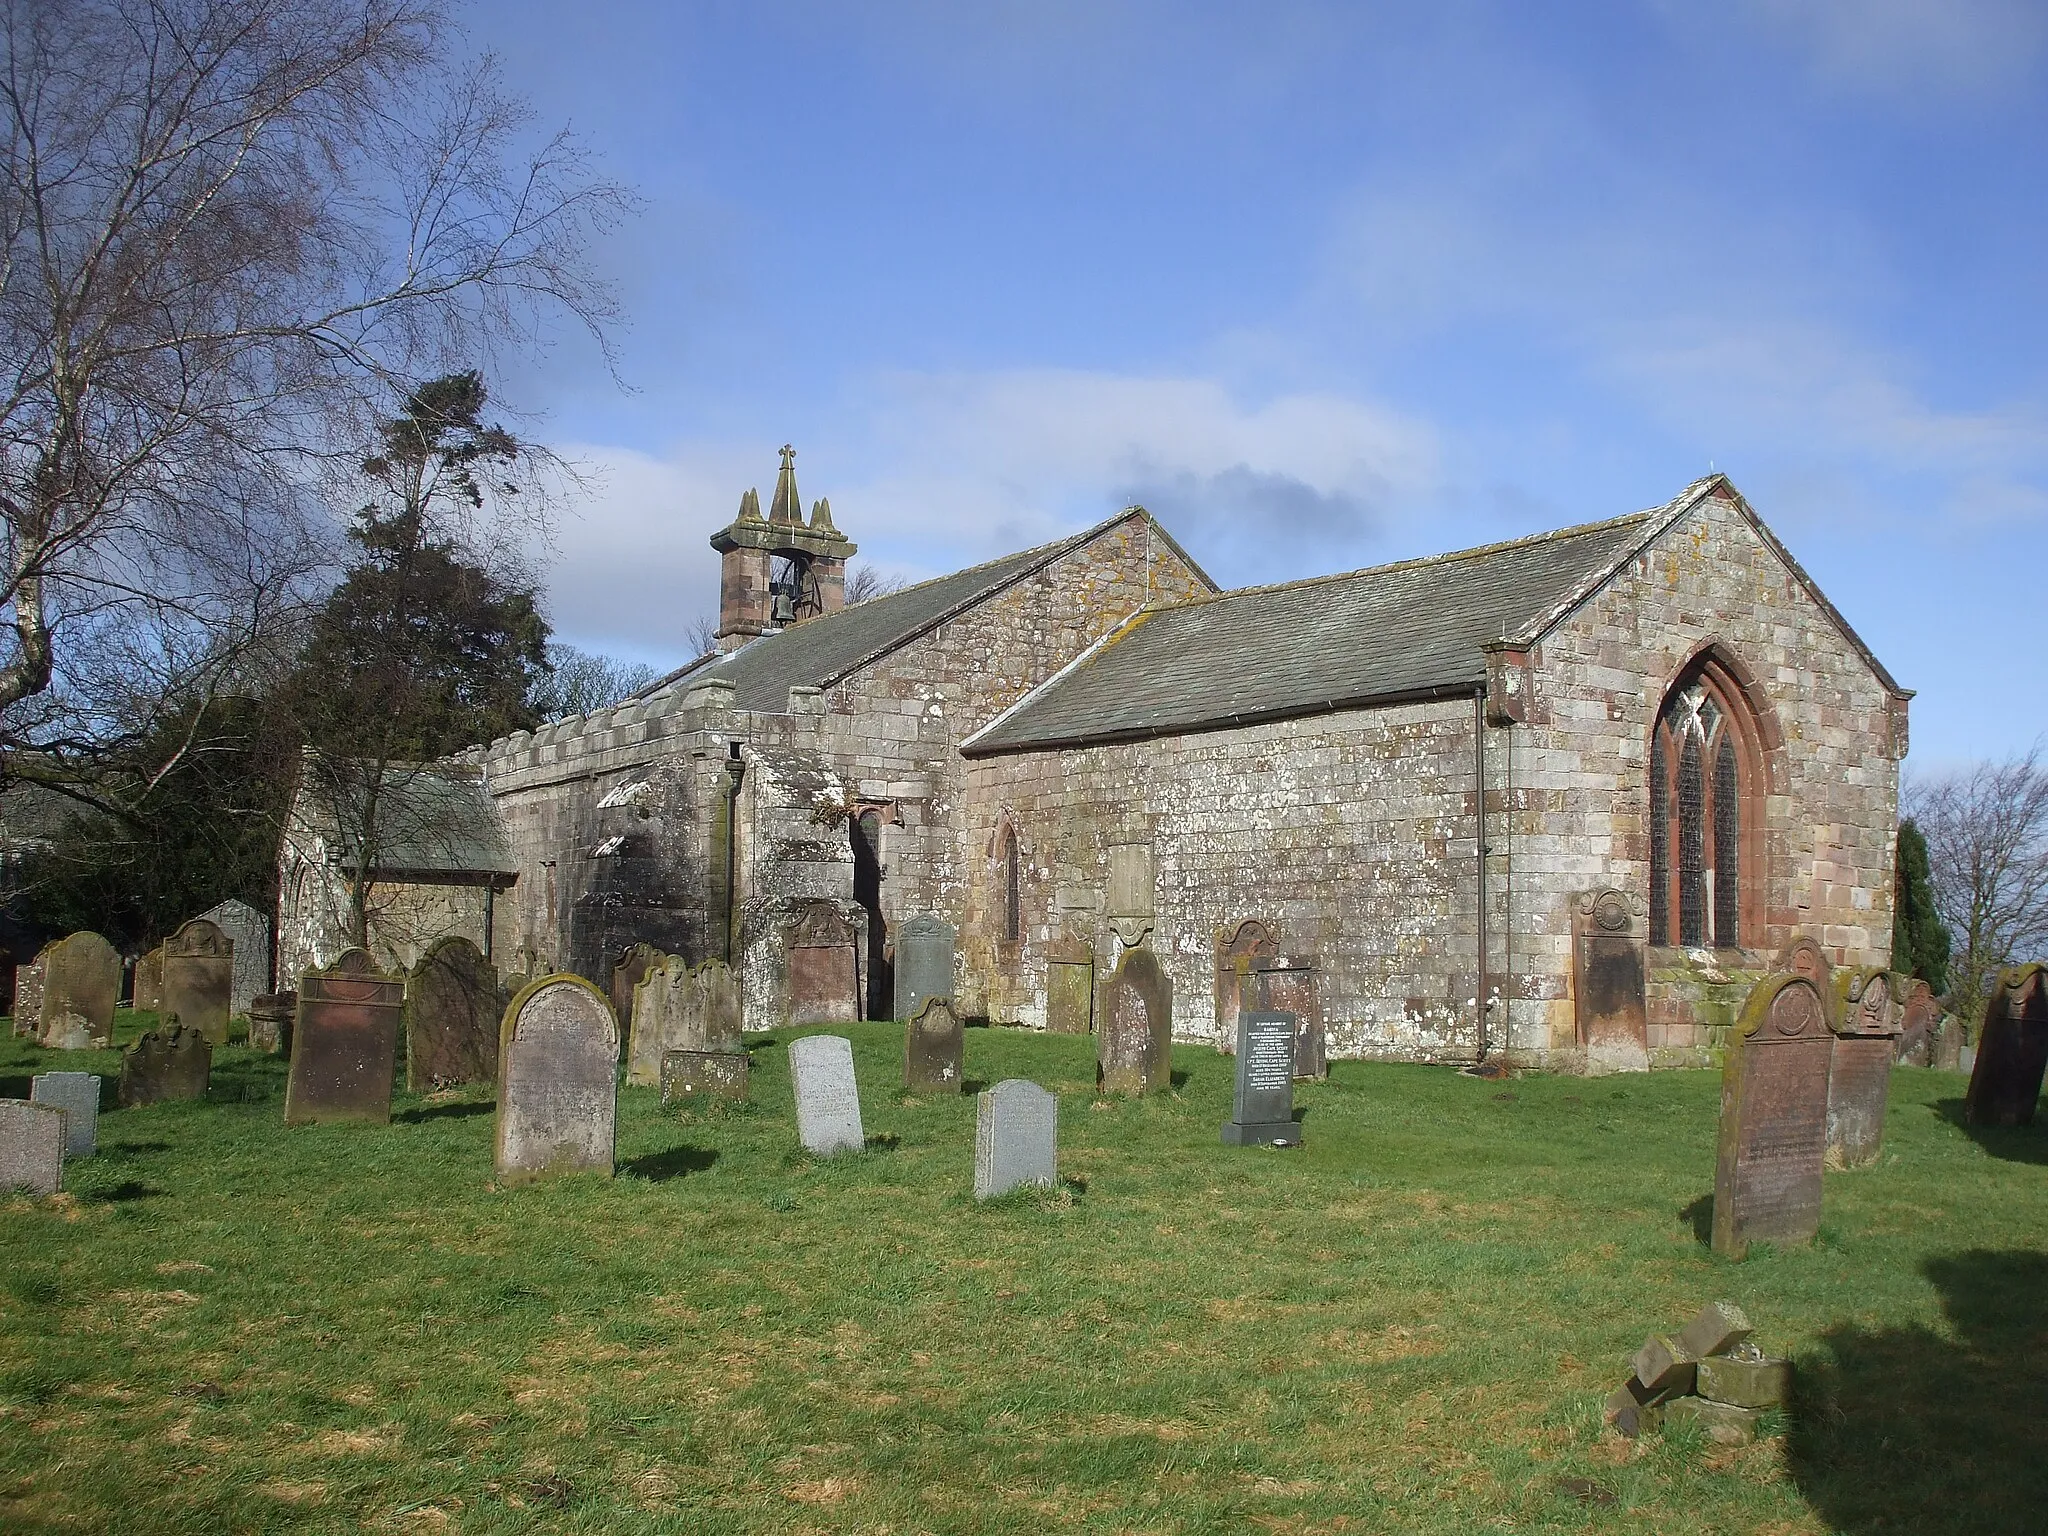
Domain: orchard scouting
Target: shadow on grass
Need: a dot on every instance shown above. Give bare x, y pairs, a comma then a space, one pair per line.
462, 1111
1700, 1217
1899, 1429
2011, 1143
675, 1163
1180, 1078
883, 1141
970, 1086
122, 1193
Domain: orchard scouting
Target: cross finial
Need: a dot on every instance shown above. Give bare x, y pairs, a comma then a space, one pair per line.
788, 457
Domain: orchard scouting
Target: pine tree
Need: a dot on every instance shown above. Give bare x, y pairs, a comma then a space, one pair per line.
1920, 941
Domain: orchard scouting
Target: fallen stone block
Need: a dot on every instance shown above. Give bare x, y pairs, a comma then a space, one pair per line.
1746, 1383
1632, 1412
1664, 1366
1717, 1330
1722, 1423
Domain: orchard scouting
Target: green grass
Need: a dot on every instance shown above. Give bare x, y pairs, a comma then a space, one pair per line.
1408, 1325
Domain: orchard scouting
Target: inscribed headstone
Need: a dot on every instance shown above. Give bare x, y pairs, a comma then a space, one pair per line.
558, 1093
1070, 990
1921, 1025
452, 1014
1262, 1112
344, 1043
679, 1007
1287, 984
827, 1097
270, 1021
1016, 1137
199, 978
1860, 1071
934, 1049
824, 967
31, 1147
1774, 1102
249, 931
1239, 948
1610, 954
1804, 957
1134, 1051
149, 982
924, 963
633, 965
168, 1063
2012, 1050
28, 996
81, 986
78, 1095
705, 1074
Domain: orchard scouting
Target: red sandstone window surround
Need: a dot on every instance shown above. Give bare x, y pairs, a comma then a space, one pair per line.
1706, 813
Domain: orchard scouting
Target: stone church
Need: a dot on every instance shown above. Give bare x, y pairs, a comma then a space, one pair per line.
1458, 807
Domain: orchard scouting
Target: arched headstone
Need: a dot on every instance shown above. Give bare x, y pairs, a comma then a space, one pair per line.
199, 978
2012, 1051
1610, 950
249, 930
452, 1014
1240, 947
1134, 1052
81, 986
824, 967
632, 967
149, 981
1921, 1024
680, 1007
924, 963
827, 1095
1774, 1107
1860, 1072
934, 1049
558, 1096
344, 1043
168, 1063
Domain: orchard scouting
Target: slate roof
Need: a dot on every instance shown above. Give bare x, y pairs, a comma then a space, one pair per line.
1404, 631
432, 820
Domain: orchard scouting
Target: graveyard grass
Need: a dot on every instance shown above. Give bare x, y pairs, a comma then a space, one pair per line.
1407, 1325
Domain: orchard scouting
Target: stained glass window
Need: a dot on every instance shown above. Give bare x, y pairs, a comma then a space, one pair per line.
1697, 799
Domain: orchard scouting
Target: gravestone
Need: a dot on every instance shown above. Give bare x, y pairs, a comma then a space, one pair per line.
2012, 1050
199, 978
1262, 1113
1287, 984
705, 1074
1610, 999
81, 987
344, 1044
631, 970
679, 1007
1240, 948
824, 967
78, 1095
934, 1049
924, 963
827, 1097
1016, 1138
31, 1147
558, 1082
28, 996
148, 995
1774, 1104
1069, 989
170, 1062
1134, 1052
452, 1013
1860, 1068
1921, 1025
249, 931
1804, 957
270, 1021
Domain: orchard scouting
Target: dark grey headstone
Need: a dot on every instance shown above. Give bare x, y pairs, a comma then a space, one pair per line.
1134, 1050
680, 1007
2012, 1050
199, 978
705, 1074
78, 1095
924, 963
249, 931
934, 1049
165, 1064
1016, 1137
1774, 1106
81, 986
558, 1085
31, 1147
1263, 1110
827, 1097
345, 1043
452, 1016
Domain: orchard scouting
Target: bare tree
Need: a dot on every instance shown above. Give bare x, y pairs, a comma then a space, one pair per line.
1987, 851
864, 582
579, 682
228, 228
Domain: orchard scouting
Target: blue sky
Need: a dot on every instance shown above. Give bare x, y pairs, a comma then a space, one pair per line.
1322, 286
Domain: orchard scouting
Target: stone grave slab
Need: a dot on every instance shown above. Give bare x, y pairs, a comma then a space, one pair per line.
344, 1044
924, 963
1240, 949
270, 1021
679, 1007
168, 1063
558, 1085
827, 1096
1610, 959
632, 968
1774, 1103
1016, 1137
78, 1095
1920, 1020
706, 1074
934, 1049
1860, 1071
1287, 984
28, 996
199, 978
1262, 1113
1070, 990
824, 966
2012, 1050
1134, 1048
31, 1147
249, 931
452, 1015
149, 982
81, 987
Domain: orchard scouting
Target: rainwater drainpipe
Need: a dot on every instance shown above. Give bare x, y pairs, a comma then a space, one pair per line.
735, 769
1479, 843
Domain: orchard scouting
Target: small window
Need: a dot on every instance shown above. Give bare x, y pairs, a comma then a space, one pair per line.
1010, 900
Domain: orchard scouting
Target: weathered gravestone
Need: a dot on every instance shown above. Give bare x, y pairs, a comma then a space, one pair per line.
1860, 1068
1287, 984
1774, 1106
1016, 1137
1134, 1052
1804, 957
633, 965
452, 1014
31, 1147
680, 1007
148, 992
2012, 1050
823, 952
249, 931
1069, 989
344, 1044
1240, 949
199, 978
81, 986
705, 1074
1262, 1113
28, 996
78, 1095
270, 1021
168, 1063
1921, 1024
924, 963
558, 1083
827, 1097
1610, 956
934, 1049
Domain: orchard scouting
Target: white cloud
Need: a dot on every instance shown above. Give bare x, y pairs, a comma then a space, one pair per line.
1951, 45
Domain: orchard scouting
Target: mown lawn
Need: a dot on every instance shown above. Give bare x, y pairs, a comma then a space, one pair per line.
1408, 1325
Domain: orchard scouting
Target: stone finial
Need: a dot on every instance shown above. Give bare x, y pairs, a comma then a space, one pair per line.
788, 506
750, 507
821, 515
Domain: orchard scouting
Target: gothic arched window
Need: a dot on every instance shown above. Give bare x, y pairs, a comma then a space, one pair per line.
1009, 893
1704, 811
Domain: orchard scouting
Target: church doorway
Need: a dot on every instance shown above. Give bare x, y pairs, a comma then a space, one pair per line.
868, 872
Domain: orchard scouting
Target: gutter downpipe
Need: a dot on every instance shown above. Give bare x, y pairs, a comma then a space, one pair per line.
1481, 850
735, 770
